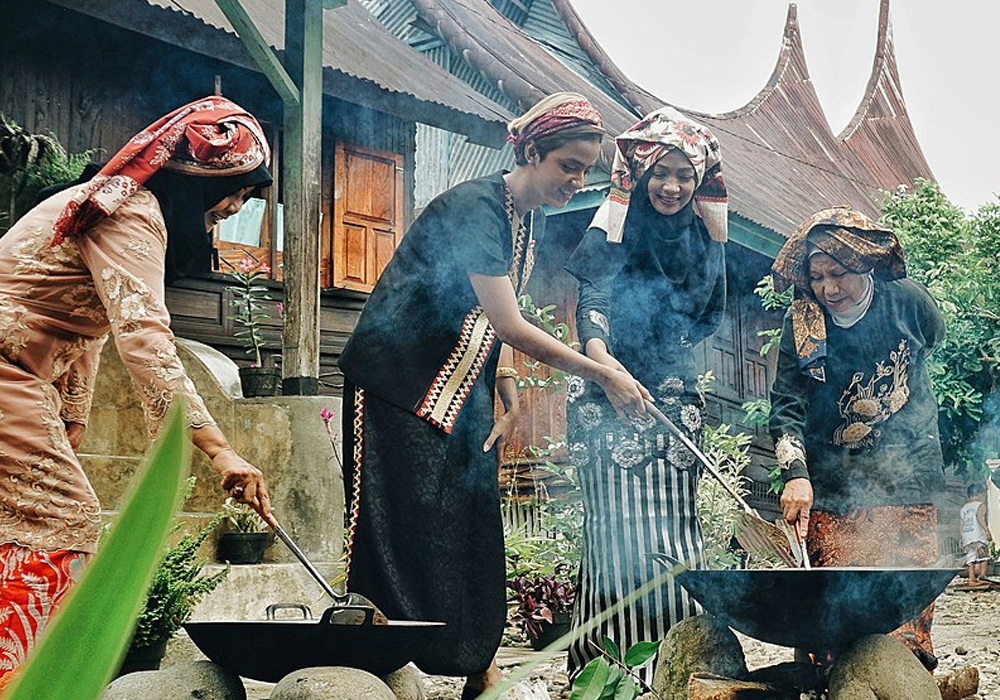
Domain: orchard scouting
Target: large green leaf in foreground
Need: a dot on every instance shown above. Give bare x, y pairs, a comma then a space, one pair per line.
82, 647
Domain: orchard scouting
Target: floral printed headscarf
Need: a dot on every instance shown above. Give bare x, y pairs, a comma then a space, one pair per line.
209, 137
646, 142
853, 240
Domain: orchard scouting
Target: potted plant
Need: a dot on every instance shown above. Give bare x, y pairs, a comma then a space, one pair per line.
177, 587
248, 300
245, 537
543, 605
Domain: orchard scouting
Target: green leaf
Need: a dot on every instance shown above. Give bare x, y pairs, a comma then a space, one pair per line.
82, 647
611, 648
627, 689
589, 685
640, 653
610, 685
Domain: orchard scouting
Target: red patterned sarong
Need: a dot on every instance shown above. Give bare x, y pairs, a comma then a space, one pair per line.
31, 585
890, 536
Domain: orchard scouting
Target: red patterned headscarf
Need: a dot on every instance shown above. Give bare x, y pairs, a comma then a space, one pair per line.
209, 137
644, 143
565, 116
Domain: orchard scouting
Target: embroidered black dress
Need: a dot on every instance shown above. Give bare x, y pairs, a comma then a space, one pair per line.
651, 299
869, 433
425, 537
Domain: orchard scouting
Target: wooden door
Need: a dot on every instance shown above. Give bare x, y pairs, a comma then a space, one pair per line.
367, 214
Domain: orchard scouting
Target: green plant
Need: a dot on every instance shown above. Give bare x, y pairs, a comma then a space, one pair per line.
612, 674
955, 256
239, 517
248, 300
543, 317
30, 162
177, 587
83, 644
717, 510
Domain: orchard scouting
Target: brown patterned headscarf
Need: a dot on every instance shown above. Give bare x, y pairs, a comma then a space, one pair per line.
853, 240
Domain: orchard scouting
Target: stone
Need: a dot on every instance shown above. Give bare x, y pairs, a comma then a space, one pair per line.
699, 644
331, 683
879, 667
203, 680
405, 684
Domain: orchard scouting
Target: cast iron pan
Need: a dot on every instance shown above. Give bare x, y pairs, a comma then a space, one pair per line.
269, 650
822, 608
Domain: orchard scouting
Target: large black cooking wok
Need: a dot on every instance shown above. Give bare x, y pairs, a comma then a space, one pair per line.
821, 608
268, 650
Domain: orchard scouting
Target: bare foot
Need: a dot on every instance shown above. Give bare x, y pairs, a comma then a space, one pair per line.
475, 685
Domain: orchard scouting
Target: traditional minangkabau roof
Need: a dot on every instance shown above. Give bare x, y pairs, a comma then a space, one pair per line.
782, 160
363, 63
881, 134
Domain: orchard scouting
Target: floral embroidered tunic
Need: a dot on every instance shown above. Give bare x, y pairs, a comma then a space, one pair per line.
57, 306
868, 434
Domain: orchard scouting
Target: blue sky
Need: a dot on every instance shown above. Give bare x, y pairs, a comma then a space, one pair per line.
714, 57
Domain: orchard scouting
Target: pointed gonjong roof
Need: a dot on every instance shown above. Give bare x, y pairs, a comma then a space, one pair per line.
881, 134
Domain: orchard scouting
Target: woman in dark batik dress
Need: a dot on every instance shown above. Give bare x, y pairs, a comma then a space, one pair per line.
425, 537
853, 414
652, 275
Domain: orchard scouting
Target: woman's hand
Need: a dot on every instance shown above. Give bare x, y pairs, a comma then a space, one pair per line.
75, 431
503, 429
627, 395
244, 482
796, 500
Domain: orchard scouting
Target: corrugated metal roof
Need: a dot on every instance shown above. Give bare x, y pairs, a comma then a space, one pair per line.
519, 65
393, 77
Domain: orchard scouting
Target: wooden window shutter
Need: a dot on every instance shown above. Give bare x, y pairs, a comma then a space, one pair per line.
368, 214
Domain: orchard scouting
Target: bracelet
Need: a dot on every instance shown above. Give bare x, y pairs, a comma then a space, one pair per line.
507, 373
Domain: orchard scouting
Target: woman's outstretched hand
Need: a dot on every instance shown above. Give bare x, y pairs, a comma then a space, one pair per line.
244, 483
625, 393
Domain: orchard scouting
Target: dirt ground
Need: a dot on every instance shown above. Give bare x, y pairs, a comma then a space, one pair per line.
966, 632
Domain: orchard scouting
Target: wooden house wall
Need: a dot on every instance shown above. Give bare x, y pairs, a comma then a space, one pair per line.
93, 85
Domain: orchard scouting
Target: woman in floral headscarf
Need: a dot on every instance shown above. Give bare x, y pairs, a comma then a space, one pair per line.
652, 272
88, 262
853, 414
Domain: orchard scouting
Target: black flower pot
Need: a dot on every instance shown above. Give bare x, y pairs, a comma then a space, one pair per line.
260, 381
143, 659
550, 631
243, 547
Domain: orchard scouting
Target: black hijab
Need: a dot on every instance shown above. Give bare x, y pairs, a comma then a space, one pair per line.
183, 200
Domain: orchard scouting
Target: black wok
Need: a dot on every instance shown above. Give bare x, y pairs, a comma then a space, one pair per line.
822, 608
268, 650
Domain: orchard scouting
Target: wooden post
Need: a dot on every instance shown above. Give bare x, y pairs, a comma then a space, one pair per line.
301, 178
300, 84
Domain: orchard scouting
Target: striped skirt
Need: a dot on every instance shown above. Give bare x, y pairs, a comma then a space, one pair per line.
639, 485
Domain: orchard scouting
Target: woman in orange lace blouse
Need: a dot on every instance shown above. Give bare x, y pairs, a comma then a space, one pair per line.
89, 262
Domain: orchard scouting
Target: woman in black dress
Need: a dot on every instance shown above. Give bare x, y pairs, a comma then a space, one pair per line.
425, 535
